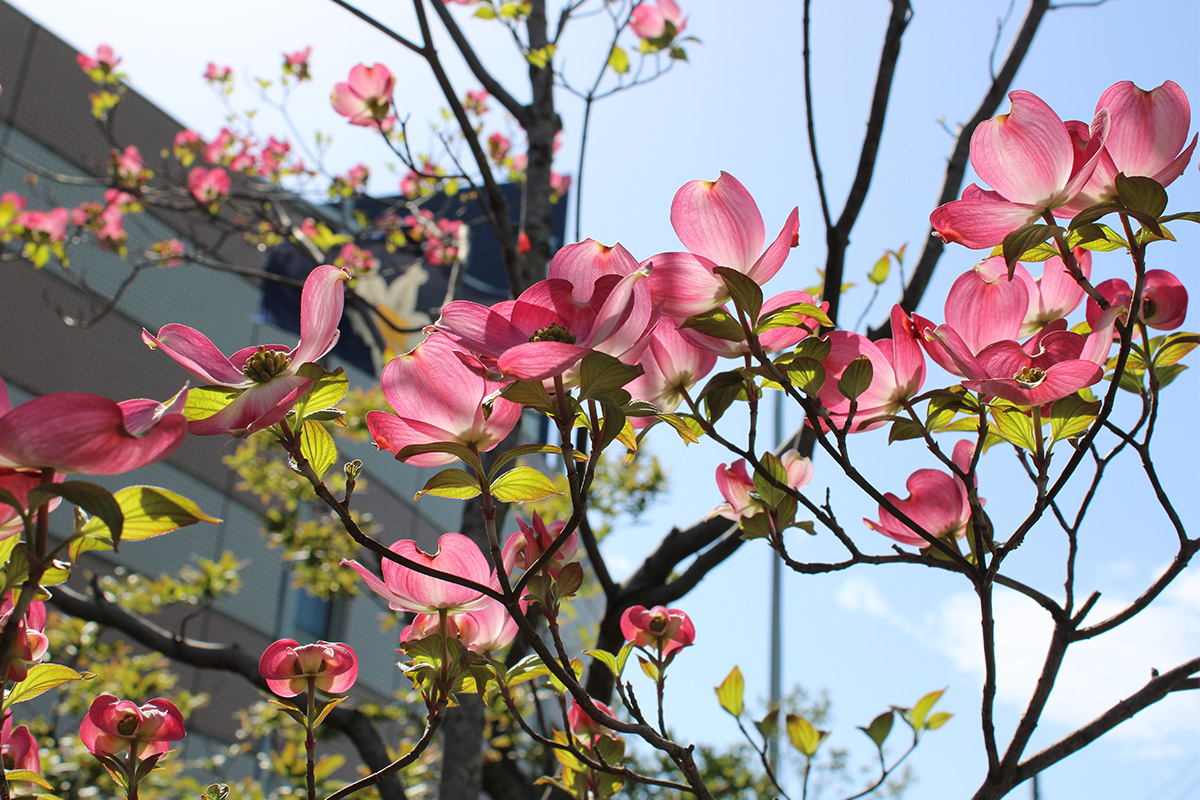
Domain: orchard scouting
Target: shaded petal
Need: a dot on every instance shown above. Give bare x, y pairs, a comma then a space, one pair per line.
583, 263
480, 329
1060, 380
536, 361
982, 222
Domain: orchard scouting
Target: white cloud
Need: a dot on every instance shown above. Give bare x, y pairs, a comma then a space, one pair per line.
1095, 674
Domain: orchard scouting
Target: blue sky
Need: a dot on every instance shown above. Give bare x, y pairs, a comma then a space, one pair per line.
871, 637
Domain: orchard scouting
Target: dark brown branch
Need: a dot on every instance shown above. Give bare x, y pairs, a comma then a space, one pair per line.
379, 26
228, 657
494, 87
1159, 687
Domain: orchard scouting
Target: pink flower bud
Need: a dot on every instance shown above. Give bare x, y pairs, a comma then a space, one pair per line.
663, 629
112, 726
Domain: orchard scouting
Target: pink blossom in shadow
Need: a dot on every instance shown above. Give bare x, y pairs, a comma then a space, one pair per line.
1164, 300
936, 501
735, 484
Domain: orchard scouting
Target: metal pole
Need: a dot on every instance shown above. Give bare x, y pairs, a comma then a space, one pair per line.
776, 607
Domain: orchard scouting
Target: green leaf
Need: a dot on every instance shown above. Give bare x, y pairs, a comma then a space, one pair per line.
720, 392
522, 450
600, 374
771, 494
718, 323
937, 720
879, 273
569, 580
903, 429
453, 483
1174, 347
1016, 243
325, 392
1071, 416
148, 511
459, 451
792, 316
731, 693
747, 295
607, 659
317, 447
523, 483
618, 60
485, 12
857, 378
28, 776
540, 57
649, 668
329, 705
205, 401
807, 375
879, 728
1014, 426
1142, 194
95, 500
1167, 374
530, 394
1092, 213
921, 710
804, 736
768, 726
42, 678
1190, 216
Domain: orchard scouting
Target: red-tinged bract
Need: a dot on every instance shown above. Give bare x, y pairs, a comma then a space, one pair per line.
936, 501
1164, 300
18, 748
663, 630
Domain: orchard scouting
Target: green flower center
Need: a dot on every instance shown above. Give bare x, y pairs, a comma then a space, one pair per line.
553, 333
1029, 377
265, 365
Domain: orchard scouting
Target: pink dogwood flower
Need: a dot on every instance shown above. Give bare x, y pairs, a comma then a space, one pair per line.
650, 22
771, 341
664, 630
1028, 159
720, 225
113, 726
209, 186
523, 548
555, 323
406, 589
74, 432
936, 501
366, 98
217, 74
1164, 300
44, 226
297, 64
485, 630
267, 374
288, 666
898, 372
735, 484
1146, 138
438, 398
18, 748
105, 60
1053, 364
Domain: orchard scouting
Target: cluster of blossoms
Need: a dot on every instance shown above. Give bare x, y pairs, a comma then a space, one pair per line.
441, 238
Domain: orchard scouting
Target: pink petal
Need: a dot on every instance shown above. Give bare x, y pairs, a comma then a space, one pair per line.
984, 306
1060, 380
1025, 155
982, 222
583, 263
480, 329
320, 312
1148, 128
536, 361
772, 260
719, 220
196, 354
684, 284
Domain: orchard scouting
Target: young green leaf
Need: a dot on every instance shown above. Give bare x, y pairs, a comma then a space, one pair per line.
730, 694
